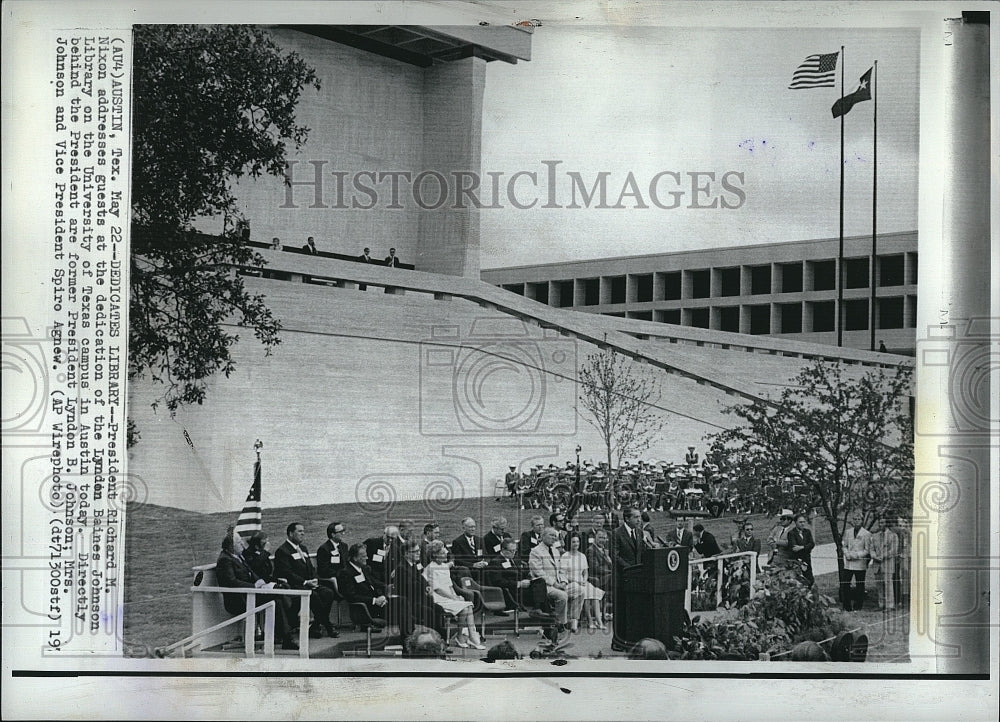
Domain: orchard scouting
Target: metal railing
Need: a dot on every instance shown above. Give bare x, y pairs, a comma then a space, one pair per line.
751, 558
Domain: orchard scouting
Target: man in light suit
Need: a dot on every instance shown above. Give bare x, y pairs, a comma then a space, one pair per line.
543, 563
292, 562
857, 555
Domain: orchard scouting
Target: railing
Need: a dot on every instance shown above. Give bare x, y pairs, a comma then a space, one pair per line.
209, 616
249, 631
733, 573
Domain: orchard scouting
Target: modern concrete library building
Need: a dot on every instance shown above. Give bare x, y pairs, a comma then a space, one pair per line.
787, 290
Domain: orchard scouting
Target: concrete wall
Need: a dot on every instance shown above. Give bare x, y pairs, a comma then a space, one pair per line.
369, 115
453, 119
360, 400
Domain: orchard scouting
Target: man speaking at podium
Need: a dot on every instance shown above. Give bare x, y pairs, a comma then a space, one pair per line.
626, 550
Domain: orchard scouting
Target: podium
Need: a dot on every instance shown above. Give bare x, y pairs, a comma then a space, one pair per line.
654, 595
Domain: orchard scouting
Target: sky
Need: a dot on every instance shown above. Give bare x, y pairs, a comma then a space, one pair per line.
646, 99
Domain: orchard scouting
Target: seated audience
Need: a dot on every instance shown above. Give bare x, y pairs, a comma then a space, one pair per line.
438, 576
232, 570
647, 648
293, 563
359, 585
510, 574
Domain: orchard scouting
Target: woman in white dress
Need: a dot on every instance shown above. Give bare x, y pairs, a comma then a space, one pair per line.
438, 576
574, 567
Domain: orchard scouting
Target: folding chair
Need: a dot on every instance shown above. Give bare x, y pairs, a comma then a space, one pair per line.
490, 599
361, 617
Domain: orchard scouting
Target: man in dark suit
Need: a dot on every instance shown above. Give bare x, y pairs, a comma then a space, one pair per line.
511, 575
467, 549
705, 543
432, 532
416, 602
392, 261
310, 246
331, 556
359, 586
531, 538
384, 553
680, 537
801, 544
365, 258
626, 551
292, 562
599, 563
494, 538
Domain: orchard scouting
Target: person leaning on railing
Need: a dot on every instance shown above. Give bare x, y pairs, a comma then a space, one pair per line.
233, 571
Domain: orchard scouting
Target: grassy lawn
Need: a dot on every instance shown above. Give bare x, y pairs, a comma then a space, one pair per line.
163, 544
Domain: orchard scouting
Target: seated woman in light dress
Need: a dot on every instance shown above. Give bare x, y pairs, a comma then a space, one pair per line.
573, 565
438, 576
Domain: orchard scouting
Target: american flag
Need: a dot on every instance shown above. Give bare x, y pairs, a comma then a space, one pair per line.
816, 71
250, 518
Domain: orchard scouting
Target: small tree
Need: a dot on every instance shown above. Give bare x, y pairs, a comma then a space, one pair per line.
847, 444
211, 104
621, 405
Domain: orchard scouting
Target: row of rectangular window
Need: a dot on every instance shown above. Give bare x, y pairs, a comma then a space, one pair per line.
778, 318
792, 277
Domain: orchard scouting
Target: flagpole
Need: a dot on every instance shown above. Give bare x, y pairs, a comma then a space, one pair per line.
874, 268
840, 251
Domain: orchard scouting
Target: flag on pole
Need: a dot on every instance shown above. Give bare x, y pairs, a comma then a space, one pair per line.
816, 71
250, 518
864, 92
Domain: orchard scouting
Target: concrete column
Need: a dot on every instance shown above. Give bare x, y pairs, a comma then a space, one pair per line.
579, 292
659, 286
744, 283
448, 240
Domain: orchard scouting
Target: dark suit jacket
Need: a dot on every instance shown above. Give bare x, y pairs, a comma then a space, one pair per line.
463, 553
800, 537
327, 564
624, 551
600, 566
309, 249
708, 546
506, 577
366, 259
415, 601
528, 542
390, 560
296, 571
392, 261
363, 591
687, 540
231, 571
491, 544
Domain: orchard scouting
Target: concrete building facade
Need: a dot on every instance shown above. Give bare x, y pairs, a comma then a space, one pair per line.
787, 290
393, 101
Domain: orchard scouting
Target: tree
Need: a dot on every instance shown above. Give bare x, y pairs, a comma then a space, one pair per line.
211, 104
621, 405
846, 444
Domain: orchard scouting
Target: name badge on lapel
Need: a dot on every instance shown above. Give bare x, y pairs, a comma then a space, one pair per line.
297, 556
379, 555
335, 557
505, 565
419, 566
496, 549
479, 552
360, 578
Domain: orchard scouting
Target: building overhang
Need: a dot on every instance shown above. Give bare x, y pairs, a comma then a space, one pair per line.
424, 46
